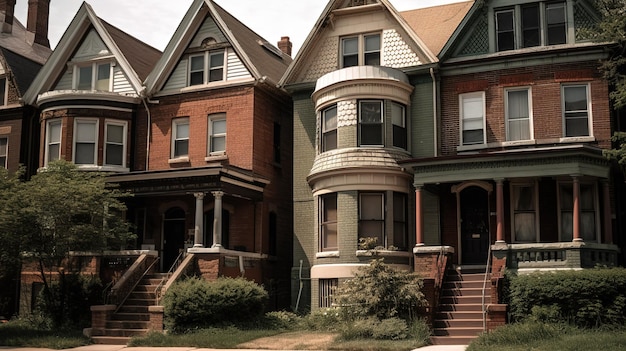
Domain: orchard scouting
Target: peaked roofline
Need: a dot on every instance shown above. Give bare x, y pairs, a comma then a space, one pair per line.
476, 6
326, 13
84, 18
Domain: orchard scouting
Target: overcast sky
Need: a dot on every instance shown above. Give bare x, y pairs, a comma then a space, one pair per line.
154, 21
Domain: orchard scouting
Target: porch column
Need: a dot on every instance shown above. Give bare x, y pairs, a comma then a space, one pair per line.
608, 226
576, 209
500, 211
198, 228
217, 218
419, 230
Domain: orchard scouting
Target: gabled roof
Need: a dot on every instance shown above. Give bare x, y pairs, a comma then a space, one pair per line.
133, 56
17, 41
434, 25
263, 60
326, 15
23, 70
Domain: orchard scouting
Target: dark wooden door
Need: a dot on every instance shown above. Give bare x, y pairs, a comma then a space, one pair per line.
474, 208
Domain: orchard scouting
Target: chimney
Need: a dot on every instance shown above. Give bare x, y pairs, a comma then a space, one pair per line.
8, 7
285, 45
37, 21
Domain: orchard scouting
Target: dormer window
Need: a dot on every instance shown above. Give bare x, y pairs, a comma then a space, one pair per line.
360, 50
529, 25
206, 67
93, 76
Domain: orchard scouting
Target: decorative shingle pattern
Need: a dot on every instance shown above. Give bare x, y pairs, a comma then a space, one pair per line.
346, 113
396, 52
325, 62
584, 22
358, 157
478, 42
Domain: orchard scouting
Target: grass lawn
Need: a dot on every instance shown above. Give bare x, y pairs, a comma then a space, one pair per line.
23, 334
221, 338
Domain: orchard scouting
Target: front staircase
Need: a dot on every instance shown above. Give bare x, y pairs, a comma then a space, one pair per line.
132, 317
459, 316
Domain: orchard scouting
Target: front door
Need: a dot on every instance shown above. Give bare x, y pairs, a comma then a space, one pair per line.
474, 211
173, 236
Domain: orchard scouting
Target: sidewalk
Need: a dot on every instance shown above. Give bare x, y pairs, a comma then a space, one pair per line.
125, 348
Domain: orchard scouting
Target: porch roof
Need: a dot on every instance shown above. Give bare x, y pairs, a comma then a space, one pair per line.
579, 160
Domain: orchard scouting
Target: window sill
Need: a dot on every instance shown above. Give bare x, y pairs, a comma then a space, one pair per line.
216, 157
581, 139
383, 252
103, 168
178, 160
566, 140
325, 254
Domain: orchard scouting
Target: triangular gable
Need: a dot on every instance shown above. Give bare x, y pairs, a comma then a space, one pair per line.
23, 70
86, 35
206, 23
401, 46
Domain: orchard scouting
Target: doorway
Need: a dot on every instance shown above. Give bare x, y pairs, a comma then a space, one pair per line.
174, 232
474, 224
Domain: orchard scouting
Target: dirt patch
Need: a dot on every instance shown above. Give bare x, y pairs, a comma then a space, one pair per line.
292, 341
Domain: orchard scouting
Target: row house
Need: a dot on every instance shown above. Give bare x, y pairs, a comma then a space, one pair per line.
451, 140
199, 134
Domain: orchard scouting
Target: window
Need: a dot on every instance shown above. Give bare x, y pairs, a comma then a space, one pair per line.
328, 222
518, 115
95, 76
525, 216
3, 91
472, 118
360, 50
206, 67
53, 141
329, 129
217, 132
588, 214
372, 217
327, 290
180, 138
400, 231
85, 141
398, 120
576, 110
4, 142
115, 144
529, 25
371, 122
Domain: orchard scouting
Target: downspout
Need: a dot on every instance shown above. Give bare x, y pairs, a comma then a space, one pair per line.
435, 112
144, 99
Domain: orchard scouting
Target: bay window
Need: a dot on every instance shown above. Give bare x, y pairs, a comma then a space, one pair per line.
53, 141
85, 141
329, 129
371, 125
398, 121
115, 144
328, 222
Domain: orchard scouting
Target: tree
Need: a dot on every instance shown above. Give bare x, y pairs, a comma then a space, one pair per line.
62, 209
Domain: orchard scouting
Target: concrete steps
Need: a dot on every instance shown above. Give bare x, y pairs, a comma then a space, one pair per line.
459, 316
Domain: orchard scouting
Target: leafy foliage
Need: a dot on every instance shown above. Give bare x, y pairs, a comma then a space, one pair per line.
196, 303
587, 298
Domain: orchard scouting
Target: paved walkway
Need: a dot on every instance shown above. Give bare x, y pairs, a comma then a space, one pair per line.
125, 348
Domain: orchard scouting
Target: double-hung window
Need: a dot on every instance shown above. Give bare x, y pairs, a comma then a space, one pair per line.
518, 114
328, 222
206, 67
400, 221
94, 76
398, 120
217, 132
361, 50
329, 128
115, 144
371, 127
372, 217
4, 142
588, 215
524, 212
576, 110
53, 141
472, 111
85, 141
180, 138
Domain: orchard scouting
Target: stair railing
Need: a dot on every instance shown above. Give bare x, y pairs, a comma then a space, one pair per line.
159, 289
130, 284
487, 269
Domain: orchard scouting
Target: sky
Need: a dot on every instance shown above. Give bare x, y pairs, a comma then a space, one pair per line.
154, 21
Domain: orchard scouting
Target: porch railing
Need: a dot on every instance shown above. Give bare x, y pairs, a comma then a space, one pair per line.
564, 255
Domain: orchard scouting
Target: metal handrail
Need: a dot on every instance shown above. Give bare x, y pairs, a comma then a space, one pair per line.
159, 288
135, 284
485, 287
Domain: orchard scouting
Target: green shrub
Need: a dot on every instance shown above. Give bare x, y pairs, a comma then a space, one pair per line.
283, 320
586, 298
196, 303
323, 319
524, 333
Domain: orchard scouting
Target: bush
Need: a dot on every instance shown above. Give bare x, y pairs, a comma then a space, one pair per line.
323, 319
586, 298
283, 320
196, 303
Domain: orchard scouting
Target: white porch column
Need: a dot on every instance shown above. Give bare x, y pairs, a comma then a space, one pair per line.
217, 218
198, 228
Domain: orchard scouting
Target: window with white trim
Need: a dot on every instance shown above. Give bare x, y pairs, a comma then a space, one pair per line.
328, 222
53, 141
93, 76
207, 67
518, 107
398, 121
217, 134
524, 212
115, 143
180, 137
472, 111
85, 141
329, 128
589, 215
4, 145
576, 106
361, 50
371, 127
528, 25
4, 89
